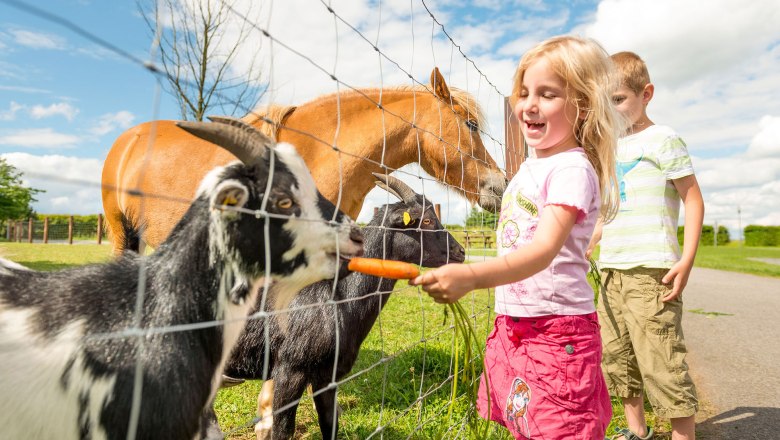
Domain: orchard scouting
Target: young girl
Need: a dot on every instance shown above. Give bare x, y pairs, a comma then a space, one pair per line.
543, 356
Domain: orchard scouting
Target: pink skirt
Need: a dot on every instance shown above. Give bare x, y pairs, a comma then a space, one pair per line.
545, 379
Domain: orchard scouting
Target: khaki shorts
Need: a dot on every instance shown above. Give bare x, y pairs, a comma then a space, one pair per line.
643, 341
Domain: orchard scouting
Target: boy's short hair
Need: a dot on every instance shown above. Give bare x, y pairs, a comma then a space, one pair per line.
632, 70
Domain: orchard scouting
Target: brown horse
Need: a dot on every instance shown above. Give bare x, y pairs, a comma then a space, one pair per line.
151, 172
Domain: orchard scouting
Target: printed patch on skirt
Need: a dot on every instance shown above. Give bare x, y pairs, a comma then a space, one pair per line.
517, 405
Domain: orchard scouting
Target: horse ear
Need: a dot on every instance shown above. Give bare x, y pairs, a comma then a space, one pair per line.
439, 86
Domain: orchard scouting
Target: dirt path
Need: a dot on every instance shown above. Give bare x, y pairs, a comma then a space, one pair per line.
732, 328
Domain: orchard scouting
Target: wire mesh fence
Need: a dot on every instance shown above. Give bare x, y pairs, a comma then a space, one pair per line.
406, 380
45, 231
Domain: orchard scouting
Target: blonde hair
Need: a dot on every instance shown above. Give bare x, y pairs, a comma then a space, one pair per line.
632, 71
587, 71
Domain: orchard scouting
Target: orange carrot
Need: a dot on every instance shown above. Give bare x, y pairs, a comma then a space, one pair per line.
383, 268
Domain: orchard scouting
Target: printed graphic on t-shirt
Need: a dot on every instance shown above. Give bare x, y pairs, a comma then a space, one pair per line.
622, 169
517, 405
527, 205
517, 288
509, 233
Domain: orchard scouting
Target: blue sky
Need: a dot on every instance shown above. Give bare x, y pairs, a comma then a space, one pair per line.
715, 64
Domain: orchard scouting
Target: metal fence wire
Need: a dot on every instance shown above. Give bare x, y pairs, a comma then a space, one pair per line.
426, 363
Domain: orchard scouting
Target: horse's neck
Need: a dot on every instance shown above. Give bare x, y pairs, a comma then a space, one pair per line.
366, 137
384, 134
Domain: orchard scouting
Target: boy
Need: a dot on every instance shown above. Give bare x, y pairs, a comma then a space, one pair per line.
644, 273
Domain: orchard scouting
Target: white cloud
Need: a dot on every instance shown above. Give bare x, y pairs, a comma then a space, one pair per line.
112, 121
685, 40
61, 108
766, 143
60, 202
20, 89
37, 40
72, 184
10, 114
714, 72
39, 138
748, 181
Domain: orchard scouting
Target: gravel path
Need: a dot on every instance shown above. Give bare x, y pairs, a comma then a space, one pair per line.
732, 328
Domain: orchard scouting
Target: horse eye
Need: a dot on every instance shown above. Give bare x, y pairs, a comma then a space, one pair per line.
471, 124
285, 203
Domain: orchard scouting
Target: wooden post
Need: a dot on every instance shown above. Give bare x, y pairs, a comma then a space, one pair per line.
29, 230
45, 230
10, 229
18, 231
100, 228
70, 229
515, 146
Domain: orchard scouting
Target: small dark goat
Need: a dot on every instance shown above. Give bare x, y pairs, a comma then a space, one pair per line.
303, 348
71, 349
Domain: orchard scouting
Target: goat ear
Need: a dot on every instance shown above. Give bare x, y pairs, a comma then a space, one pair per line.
230, 195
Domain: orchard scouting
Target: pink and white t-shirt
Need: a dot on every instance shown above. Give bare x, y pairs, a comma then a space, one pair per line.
560, 289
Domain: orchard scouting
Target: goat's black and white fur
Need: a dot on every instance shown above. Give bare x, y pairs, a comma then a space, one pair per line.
67, 360
303, 347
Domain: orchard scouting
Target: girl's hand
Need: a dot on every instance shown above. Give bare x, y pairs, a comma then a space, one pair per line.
446, 284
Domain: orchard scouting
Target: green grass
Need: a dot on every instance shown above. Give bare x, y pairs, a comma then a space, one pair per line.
405, 388
402, 379
54, 256
737, 258
734, 257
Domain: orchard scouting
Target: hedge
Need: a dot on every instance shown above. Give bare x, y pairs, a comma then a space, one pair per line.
707, 237
756, 235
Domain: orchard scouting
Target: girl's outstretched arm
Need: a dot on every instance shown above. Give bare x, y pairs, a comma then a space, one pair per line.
449, 283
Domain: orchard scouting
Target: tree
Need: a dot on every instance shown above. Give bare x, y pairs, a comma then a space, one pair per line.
199, 50
15, 199
481, 219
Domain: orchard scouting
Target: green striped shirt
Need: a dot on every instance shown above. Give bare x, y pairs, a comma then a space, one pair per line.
644, 232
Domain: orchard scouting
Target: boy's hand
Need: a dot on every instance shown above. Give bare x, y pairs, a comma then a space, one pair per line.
446, 284
678, 275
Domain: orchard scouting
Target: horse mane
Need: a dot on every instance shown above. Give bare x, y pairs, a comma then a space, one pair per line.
277, 113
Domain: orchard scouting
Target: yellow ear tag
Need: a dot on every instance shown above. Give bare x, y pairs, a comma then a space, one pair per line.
230, 201
407, 218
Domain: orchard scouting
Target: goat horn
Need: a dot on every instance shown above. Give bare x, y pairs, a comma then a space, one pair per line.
244, 141
396, 187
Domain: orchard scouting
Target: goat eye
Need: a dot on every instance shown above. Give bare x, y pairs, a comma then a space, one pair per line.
285, 203
471, 124
426, 221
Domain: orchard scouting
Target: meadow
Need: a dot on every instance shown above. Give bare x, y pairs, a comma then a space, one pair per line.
400, 386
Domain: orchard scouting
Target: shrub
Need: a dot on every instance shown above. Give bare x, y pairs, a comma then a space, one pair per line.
756, 235
707, 235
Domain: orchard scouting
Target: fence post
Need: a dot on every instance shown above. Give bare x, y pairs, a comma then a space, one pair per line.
45, 230
437, 209
70, 229
10, 228
100, 228
515, 145
29, 230
18, 227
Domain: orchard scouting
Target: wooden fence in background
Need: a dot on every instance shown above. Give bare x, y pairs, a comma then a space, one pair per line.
31, 231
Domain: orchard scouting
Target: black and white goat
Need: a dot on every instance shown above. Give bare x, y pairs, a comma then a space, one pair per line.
305, 346
73, 353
